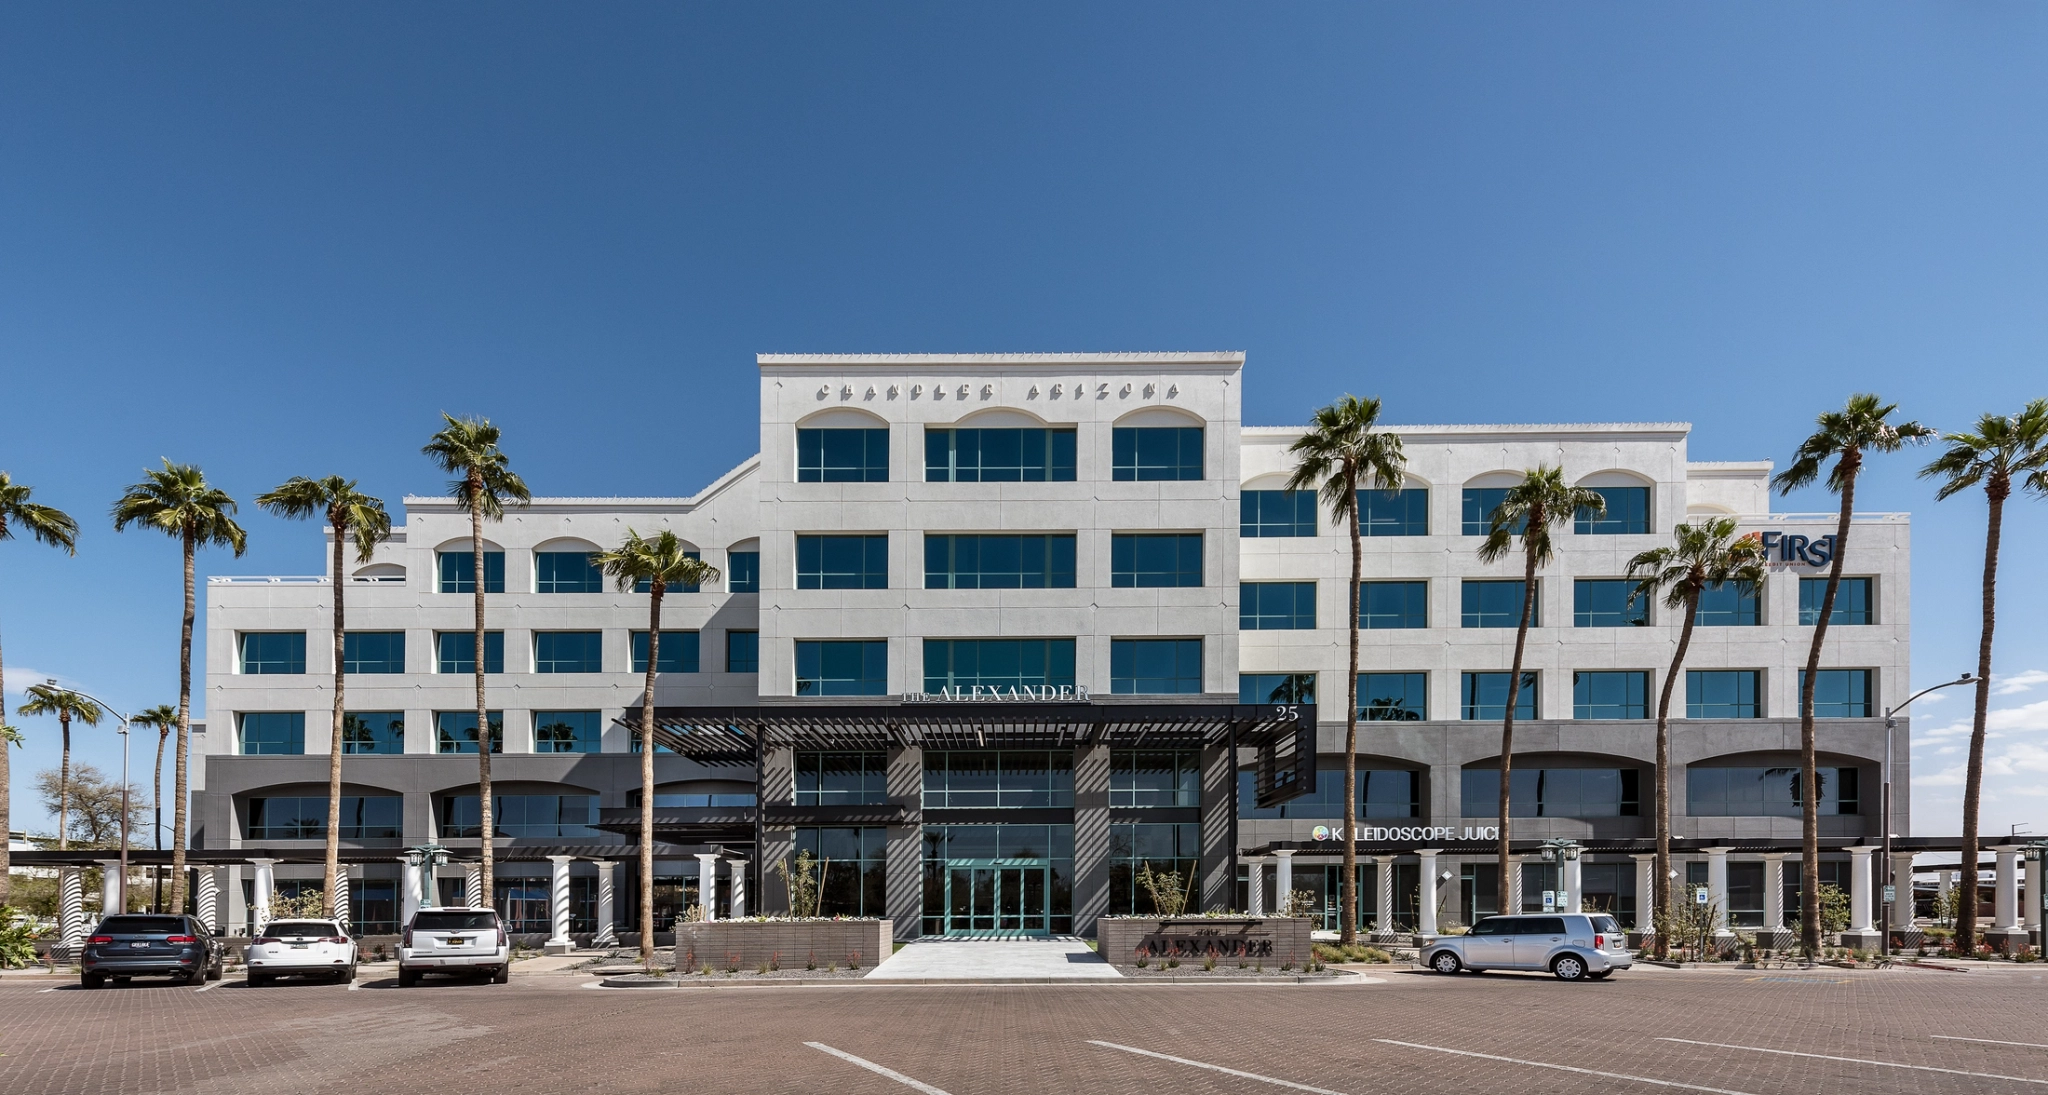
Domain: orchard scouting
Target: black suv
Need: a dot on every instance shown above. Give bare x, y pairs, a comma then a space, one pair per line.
139, 945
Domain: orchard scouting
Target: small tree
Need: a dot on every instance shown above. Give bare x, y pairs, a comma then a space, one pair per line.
1167, 889
307, 903
806, 890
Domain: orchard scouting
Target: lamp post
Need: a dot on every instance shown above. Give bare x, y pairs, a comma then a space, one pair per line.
426, 857
1890, 722
2036, 851
1561, 850
111, 710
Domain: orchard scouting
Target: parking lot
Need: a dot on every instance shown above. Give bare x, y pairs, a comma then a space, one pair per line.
1714, 1031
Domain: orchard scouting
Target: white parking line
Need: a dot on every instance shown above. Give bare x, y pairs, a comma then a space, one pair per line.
212, 985
878, 1070
354, 985
1215, 1068
1986, 1041
1861, 1061
1565, 1068
54, 988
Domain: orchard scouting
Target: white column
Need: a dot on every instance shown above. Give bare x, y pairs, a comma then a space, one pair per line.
1283, 881
207, 897
472, 887
1902, 878
737, 869
1717, 888
2006, 909
266, 883
341, 894
1255, 890
408, 891
1510, 897
2030, 903
70, 908
238, 906
1859, 888
1383, 877
1774, 891
707, 884
558, 900
1429, 890
1646, 892
1574, 888
607, 899
110, 887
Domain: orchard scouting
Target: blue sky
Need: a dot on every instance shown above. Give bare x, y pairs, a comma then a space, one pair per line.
277, 240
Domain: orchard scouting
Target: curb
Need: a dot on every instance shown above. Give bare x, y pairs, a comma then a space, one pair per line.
1068, 982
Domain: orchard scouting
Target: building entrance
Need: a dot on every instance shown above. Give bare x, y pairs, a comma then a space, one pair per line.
997, 897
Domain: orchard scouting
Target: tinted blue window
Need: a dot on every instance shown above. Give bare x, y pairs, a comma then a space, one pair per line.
1496, 603
1611, 694
1276, 606
305, 817
1393, 697
1146, 778
1147, 453
1604, 602
742, 652
1155, 666
840, 779
568, 652
1001, 663
1276, 513
373, 652
1627, 513
1382, 793
458, 571
566, 732
1852, 602
842, 668
522, 816
1480, 502
646, 586
1276, 688
842, 456
1393, 605
1729, 605
1486, 696
273, 733
566, 572
373, 732
1403, 512
1722, 694
678, 652
985, 779
265, 652
1765, 792
743, 572
1840, 693
999, 456
1155, 559
455, 652
1554, 792
842, 562
455, 731
1031, 561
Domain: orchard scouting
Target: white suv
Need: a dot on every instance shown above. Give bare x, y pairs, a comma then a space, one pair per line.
454, 941
321, 947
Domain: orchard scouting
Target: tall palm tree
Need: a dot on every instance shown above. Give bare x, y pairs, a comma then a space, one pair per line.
660, 562
52, 526
1343, 448
2000, 450
1703, 555
177, 501
1540, 502
467, 448
1844, 436
350, 515
164, 718
49, 699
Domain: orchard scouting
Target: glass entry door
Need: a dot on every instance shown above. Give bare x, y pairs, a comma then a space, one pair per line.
996, 897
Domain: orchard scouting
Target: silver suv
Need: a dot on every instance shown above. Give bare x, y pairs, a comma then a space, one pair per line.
1574, 946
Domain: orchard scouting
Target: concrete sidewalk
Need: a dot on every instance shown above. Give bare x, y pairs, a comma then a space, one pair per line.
1059, 958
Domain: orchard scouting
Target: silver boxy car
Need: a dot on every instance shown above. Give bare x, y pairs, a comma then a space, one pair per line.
1573, 946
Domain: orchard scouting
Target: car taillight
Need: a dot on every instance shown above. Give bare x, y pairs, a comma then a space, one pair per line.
501, 934
335, 939
101, 939
265, 939
1600, 942
406, 942
180, 939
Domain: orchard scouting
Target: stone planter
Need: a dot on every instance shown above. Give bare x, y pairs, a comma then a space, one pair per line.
789, 944
1265, 940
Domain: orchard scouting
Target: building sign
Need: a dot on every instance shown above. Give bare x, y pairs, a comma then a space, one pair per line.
1425, 833
995, 693
1790, 547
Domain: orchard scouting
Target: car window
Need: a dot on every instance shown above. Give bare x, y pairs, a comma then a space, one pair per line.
455, 921
301, 927
1495, 925
142, 925
1544, 925
1605, 924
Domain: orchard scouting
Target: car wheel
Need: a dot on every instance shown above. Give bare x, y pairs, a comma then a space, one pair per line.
1445, 962
1570, 967
407, 979
92, 981
502, 975
345, 975
214, 971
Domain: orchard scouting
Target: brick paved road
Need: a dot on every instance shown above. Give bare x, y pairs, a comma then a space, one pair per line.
547, 1033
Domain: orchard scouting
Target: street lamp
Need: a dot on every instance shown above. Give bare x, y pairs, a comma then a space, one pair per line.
1561, 850
2036, 851
426, 857
110, 709
1890, 722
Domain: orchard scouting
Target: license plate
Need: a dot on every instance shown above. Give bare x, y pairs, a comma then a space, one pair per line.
458, 942
300, 946
139, 946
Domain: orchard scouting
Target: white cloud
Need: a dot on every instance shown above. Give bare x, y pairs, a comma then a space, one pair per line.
2012, 684
19, 677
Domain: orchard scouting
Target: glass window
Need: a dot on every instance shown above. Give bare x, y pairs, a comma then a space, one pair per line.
267, 652
1627, 513
1840, 693
742, 652
692, 800
304, 817
842, 562
1764, 792
842, 456
1155, 559
1021, 779
373, 732
1554, 792
945, 845
1028, 561
1404, 512
568, 652
1604, 602
272, 733
1480, 502
1853, 604
373, 652
566, 732
1722, 694
1276, 688
1276, 606
853, 869
646, 586
743, 572
522, 816
1165, 849
842, 779
1147, 453
566, 572
455, 652
1154, 777
1393, 697
678, 652
960, 665
999, 455
1498, 603
845, 667
1728, 605
1263, 513
1611, 694
457, 571
1486, 696
1382, 793
455, 731
1142, 667
1393, 605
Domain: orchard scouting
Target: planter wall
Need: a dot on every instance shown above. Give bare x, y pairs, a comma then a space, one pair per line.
791, 944
1267, 940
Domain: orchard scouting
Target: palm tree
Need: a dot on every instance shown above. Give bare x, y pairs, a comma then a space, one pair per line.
51, 526
468, 449
2000, 450
1542, 500
661, 563
350, 514
1343, 448
1703, 555
1845, 436
177, 501
49, 699
164, 718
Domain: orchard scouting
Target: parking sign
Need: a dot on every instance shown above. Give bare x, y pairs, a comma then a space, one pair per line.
1699, 895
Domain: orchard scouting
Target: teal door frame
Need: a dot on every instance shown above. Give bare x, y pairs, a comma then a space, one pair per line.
998, 897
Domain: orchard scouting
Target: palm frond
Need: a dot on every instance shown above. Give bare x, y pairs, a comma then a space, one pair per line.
1862, 425
177, 501
659, 561
47, 524
1343, 451
47, 699
467, 448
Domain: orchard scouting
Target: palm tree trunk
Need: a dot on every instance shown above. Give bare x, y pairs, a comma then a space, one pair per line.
647, 783
337, 904
1973, 784
179, 776
1507, 725
156, 798
1348, 934
1809, 805
1660, 886
485, 830
5, 802
64, 783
